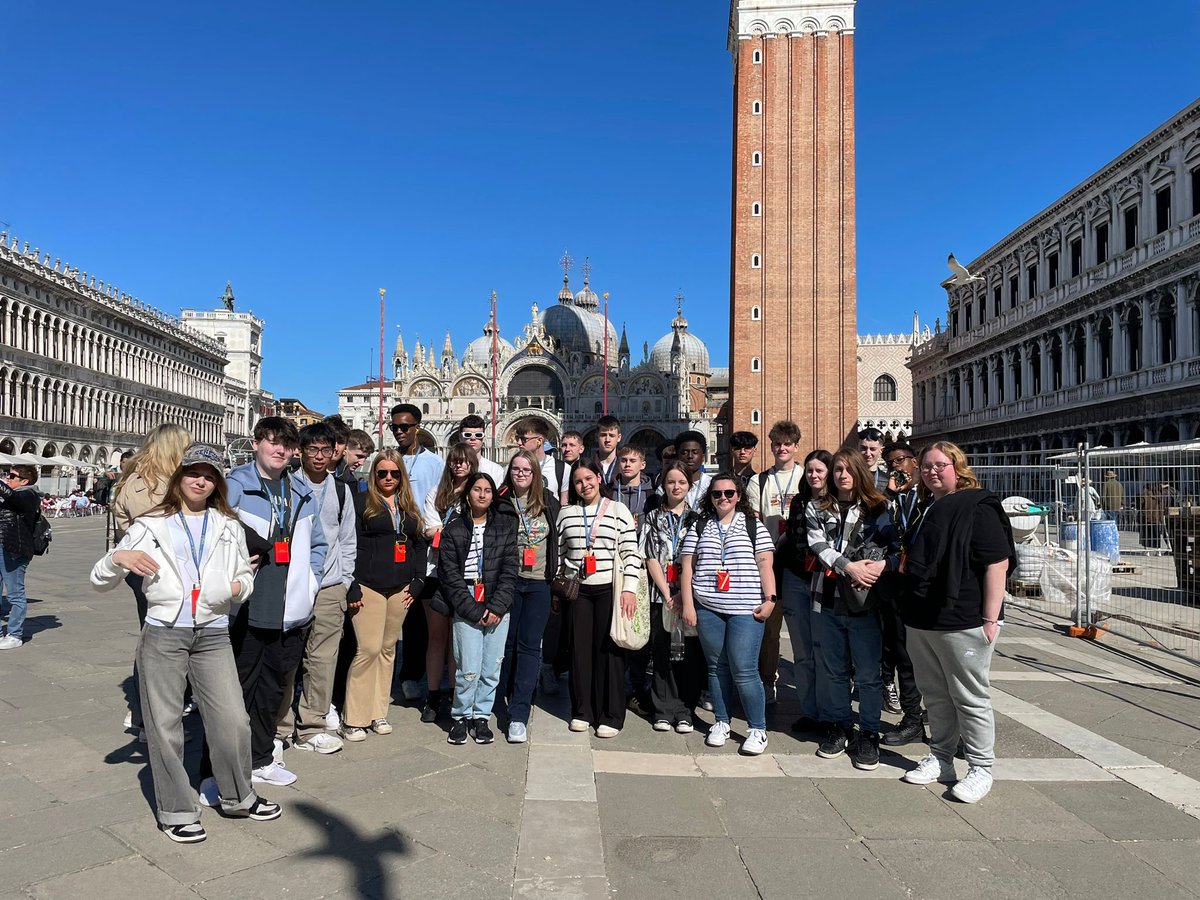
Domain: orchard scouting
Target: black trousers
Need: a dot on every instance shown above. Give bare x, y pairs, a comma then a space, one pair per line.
341, 671
896, 661
266, 658
414, 634
597, 664
675, 687
556, 640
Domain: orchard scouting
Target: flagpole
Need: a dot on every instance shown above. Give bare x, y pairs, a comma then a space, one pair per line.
382, 291
495, 372
606, 353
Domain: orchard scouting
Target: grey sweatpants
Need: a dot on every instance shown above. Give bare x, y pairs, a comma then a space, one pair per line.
953, 671
166, 659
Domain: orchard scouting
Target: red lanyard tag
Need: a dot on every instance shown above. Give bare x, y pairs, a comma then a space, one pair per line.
479, 592
401, 554
283, 554
782, 527
195, 599
589, 564
672, 573
437, 539
722, 580
528, 557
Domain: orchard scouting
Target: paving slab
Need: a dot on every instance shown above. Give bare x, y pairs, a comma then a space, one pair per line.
1096, 870
784, 868
114, 881
560, 772
60, 819
474, 840
672, 866
559, 840
952, 870
1122, 812
233, 845
1177, 861
897, 810
23, 866
764, 808
1021, 812
647, 805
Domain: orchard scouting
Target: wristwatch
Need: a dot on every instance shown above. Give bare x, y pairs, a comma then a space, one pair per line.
770, 598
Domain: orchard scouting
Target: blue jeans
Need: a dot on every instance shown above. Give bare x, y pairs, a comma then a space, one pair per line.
843, 640
796, 593
731, 644
12, 569
478, 653
523, 649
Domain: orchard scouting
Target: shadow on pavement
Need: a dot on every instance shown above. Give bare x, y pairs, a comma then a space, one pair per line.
361, 854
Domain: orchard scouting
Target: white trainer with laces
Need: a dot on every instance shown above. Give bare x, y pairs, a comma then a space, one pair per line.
275, 773
755, 743
974, 787
718, 734
277, 751
10, 642
332, 720
929, 770
323, 742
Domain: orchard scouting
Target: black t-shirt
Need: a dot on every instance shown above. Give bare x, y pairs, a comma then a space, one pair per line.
989, 544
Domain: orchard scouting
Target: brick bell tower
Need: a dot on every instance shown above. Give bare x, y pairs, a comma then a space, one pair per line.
792, 295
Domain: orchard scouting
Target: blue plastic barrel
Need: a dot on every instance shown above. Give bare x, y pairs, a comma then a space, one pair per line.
1070, 536
1106, 539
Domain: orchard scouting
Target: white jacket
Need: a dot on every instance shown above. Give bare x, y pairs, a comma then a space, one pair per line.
225, 561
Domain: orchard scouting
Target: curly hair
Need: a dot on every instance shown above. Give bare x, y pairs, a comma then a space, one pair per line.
965, 477
706, 504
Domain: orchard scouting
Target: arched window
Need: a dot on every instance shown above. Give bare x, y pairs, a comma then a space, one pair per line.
755, 364
755, 261
756, 209
757, 57
755, 313
756, 108
756, 158
755, 417
471, 409
885, 389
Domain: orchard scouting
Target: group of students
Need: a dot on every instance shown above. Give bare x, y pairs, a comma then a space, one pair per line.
280, 575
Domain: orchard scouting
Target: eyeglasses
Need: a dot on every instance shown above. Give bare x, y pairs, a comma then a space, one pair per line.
472, 435
385, 474
319, 451
526, 438
401, 426
935, 467
727, 494
517, 471
895, 461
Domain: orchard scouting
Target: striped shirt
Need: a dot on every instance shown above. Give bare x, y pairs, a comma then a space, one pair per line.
745, 586
614, 532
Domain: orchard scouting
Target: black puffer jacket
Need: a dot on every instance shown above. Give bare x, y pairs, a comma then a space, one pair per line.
507, 508
456, 593
18, 515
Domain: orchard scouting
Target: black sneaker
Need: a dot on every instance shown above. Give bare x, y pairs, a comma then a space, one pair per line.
909, 731
833, 744
265, 810
458, 732
866, 751
481, 733
192, 833
429, 712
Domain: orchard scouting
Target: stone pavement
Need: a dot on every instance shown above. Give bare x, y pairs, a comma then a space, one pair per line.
1097, 793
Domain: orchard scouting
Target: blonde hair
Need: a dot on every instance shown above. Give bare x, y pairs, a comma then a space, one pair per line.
158, 458
376, 505
964, 476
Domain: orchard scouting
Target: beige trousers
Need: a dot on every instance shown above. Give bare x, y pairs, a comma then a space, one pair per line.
377, 625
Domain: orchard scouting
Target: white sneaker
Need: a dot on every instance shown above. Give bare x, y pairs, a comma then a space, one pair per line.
929, 770
275, 773
578, 725
718, 734
322, 742
209, 795
755, 743
974, 787
190, 707
411, 690
706, 702
517, 733
277, 751
607, 731
9, 642
332, 720
683, 726
662, 725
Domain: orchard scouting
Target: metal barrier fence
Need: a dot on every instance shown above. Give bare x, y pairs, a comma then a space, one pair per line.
1115, 542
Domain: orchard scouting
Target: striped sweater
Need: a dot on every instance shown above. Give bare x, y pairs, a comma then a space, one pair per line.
615, 532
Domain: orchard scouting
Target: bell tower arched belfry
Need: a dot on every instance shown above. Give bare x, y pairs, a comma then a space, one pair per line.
792, 296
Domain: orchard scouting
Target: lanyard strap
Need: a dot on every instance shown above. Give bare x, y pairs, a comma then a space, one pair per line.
280, 506
676, 523
724, 537
590, 534
397, 519
197, 555
525, 527
780, 490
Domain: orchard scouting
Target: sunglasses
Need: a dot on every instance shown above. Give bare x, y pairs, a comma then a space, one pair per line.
8, 475
385, 474
727, 494
472, 435
526, 438
403, 426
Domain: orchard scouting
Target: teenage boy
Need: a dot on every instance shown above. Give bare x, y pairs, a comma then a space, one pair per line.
570, 451
470, 429
20, 504
870, 445
279, 513
335, 507
608, 439
634, 488
532, 433
742, 447
690, 448
358, 447
897, 666
770, 495
424, 472
336, 466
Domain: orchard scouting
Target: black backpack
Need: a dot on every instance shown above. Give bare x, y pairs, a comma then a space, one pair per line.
42, 536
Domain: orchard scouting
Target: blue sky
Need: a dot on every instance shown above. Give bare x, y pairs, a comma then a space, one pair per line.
444, 150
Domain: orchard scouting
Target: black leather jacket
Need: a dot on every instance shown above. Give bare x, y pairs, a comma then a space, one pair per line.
18, 514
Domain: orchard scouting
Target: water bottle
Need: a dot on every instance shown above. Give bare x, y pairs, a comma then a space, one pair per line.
677, 644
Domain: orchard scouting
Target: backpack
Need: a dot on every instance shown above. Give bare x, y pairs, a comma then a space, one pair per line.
42, 536
751, 530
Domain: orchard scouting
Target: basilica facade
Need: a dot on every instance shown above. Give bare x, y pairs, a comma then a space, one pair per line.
567, 366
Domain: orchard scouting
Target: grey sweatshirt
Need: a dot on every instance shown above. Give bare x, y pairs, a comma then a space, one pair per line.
342, 537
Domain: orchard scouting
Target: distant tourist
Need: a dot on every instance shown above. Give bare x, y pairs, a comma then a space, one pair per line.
20, 504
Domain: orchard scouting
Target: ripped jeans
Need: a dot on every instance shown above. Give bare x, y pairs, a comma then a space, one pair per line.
478, 654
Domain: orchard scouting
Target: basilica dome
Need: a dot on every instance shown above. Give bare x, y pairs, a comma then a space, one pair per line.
694, 351
577, 329
479, 351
